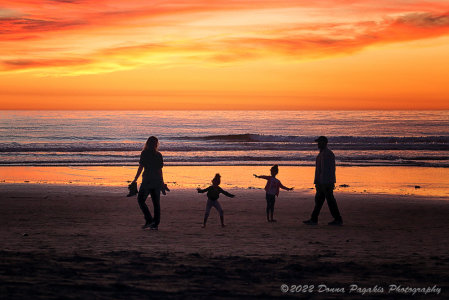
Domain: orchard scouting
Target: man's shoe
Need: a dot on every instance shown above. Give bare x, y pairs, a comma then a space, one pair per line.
154, 227
147, 225
335, 222
310, 222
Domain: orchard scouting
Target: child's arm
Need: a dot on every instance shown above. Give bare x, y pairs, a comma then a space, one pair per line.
226, 193
284, 187
263, 177
202, 191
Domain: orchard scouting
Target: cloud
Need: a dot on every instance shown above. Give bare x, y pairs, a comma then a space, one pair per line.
67, 1
43, 63
411, 27
17, 28
72, 37
424, 20
414, 26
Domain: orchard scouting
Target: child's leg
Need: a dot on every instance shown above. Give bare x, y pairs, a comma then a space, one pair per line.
267, 197
220, 211
270, 206
206, 215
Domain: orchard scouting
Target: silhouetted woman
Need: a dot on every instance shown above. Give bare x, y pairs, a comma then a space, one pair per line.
151, 162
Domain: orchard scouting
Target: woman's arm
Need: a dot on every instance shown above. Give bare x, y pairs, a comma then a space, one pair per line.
162, 176
164, 186
139, 171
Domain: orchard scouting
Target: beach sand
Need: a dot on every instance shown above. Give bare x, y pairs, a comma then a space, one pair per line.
85, 242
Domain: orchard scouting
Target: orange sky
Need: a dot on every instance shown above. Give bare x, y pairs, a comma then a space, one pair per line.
234, 54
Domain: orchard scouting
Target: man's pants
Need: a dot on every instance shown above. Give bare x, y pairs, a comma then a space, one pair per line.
325, 192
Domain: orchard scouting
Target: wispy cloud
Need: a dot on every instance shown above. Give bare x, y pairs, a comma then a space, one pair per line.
341, 41
72, 37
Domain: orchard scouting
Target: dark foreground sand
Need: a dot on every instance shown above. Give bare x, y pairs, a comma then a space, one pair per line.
86, 243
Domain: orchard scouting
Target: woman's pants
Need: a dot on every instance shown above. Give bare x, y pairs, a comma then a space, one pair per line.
155, 197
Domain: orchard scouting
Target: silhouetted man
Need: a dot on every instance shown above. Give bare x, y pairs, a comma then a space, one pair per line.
324, 184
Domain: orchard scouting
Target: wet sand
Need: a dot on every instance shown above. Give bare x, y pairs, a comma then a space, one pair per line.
85, 242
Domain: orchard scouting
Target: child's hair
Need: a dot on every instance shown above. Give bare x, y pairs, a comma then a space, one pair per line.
275, 168
217, 177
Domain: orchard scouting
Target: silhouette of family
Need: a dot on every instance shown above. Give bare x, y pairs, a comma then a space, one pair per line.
151, 163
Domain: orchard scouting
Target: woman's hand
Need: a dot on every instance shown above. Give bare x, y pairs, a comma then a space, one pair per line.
164, 189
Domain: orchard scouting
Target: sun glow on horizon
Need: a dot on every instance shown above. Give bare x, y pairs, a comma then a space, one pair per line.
241, 54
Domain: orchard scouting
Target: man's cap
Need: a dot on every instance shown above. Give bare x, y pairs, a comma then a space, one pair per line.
321, 139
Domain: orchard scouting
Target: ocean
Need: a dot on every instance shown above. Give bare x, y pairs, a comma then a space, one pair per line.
228, 138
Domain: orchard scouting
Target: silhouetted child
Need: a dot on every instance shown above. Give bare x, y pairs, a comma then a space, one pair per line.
213, 193
272, 189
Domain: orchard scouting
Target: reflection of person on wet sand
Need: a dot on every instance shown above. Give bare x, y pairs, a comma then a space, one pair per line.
213, 193
151, 162
324, 184
272, 189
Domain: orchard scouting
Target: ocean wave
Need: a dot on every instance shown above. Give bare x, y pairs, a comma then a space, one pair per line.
344, 158
196, 138
253, 149
249, 137
240, 142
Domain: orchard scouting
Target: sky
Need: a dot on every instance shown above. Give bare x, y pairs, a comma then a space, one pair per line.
233, 54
